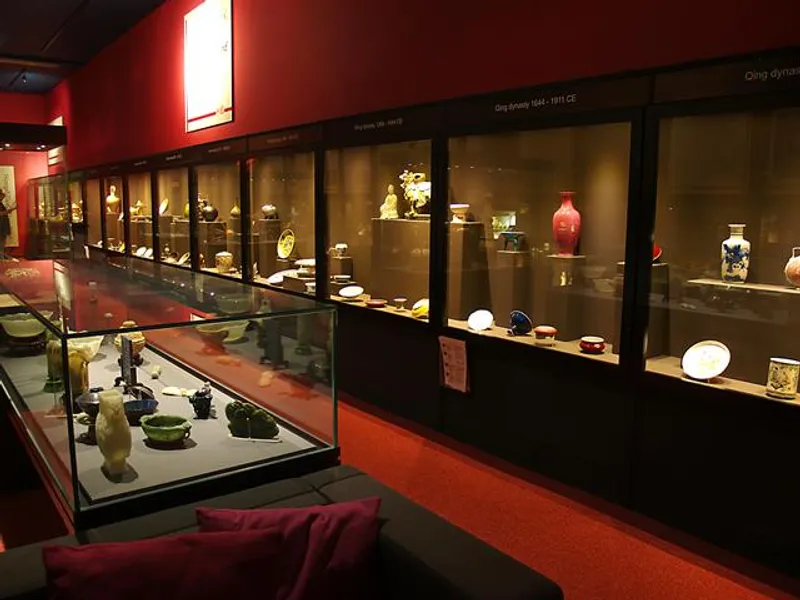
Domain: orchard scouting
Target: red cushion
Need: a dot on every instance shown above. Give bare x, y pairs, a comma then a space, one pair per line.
229, 565
328, 552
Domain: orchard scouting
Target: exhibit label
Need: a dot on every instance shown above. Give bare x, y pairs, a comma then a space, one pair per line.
285, 139
454, 373
208, 65
422, 121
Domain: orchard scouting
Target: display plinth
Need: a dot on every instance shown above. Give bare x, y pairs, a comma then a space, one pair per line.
179, 236
468, 274
341, 265
296, 284
268, 230
399, 258
511, 282
212, 238
114, 229
337, 286
141, 233
566, 270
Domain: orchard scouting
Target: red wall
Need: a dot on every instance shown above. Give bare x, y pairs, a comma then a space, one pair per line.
23, 108
298, 61
27, 165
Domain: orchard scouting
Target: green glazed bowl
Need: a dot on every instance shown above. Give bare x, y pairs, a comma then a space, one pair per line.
166, 428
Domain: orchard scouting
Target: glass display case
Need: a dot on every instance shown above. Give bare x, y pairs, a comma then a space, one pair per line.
48, 217
537, 236
219, 226
378, 201
141, 215
113, 215
173, 232
724, 297
131, 387
282, 197
95, 212
75, 199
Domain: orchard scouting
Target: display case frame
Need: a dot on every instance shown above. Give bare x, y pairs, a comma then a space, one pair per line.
306, 439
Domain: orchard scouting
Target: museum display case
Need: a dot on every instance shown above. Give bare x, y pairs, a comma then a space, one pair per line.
173, 232
94, 212
113, 214
48, 217
219, 224
537, 236
132, 389
75, 197
379, 203
141, 215
282, 216
728, 192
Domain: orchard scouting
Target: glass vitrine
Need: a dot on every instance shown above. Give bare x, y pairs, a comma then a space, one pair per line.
48, 232
173, 234
75, 198
378, 200
141, 215
219, 219
95, 212
537, 236
113, 215
282, 195
726, 291
210, 379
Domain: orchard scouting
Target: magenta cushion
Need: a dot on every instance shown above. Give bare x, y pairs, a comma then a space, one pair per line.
328, 552
197, 566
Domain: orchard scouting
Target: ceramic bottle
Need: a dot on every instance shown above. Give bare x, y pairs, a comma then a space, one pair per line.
113, 432
792, 269
735, 255
566, 226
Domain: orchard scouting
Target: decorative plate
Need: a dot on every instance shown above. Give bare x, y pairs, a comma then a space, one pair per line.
480, 320
519, 323
376, 303
148, 253
706, 360
183, 259
656, 252
420, 309
277, 278
141, 250
162, 208
286, 244
308, 263
351, 291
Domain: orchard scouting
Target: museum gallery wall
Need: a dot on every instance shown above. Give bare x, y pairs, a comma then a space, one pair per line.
565, 417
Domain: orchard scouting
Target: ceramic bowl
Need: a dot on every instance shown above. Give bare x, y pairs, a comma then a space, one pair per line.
519, 323
91, 344
545, 335
213, 334
592, 344
22, 325
341, 278
306, 263
459, 212
166, 429
480, 320
706, 360
376, 303
351, 291
236, 331
420, 309
399, 303
136, 409
234, 304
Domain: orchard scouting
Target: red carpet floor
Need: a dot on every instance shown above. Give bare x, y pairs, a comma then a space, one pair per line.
591, 555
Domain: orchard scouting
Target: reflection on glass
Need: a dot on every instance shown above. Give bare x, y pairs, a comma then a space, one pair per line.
95, 212
537, 229
379, 218
141, 215
113, 215
75, 197
173, 216
283, 205
727, 208
219, 214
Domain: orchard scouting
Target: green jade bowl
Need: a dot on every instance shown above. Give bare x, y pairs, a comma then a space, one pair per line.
166, 428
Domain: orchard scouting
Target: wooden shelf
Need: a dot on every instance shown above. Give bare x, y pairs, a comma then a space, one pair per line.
755, 287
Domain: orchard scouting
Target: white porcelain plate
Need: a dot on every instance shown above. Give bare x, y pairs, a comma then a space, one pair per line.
183, 259
141, 250
308, 263
148, 253
706, 360
277, 278
162, 208
351, 291
480, 320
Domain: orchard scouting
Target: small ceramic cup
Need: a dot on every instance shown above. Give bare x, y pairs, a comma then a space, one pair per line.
782, 378
399, 303
224, 262
544, 335
592, 344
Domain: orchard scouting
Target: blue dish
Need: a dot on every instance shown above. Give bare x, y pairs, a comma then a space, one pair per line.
136, 409
520, 323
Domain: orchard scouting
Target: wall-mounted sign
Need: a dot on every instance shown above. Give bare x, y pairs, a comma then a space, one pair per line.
208, 65
56, 155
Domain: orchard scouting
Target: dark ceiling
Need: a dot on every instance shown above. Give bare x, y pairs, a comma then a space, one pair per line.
41, 41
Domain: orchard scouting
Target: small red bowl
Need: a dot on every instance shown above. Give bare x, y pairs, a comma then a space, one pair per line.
656, 252
592, 344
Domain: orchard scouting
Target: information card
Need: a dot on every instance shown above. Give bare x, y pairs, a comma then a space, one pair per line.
454, 363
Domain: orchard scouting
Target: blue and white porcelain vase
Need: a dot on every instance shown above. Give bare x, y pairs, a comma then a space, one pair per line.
735, 255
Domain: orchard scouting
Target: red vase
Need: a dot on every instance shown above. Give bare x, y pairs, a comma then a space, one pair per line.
566, 226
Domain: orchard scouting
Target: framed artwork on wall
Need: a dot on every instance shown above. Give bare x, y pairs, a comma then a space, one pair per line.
9, 200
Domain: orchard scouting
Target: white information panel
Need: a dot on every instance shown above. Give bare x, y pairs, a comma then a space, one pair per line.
208, 65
